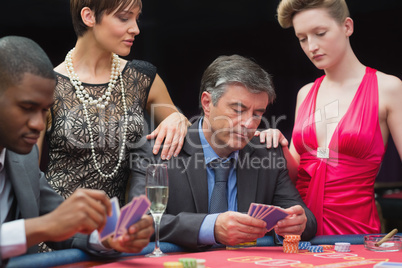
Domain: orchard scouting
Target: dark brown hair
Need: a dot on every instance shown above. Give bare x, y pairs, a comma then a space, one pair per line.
99, 7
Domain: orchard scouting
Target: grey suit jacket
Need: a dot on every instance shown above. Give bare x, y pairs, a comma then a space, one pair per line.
34, 195
262, 177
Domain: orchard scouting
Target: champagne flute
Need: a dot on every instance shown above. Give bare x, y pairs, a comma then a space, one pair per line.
157, 192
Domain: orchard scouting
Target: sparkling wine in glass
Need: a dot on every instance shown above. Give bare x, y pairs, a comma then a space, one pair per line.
157, 191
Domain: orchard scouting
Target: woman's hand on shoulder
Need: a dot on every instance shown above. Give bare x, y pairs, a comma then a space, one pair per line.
171, 132
272, 137
173, 125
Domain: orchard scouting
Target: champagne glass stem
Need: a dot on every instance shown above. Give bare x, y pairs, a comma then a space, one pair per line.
157, 221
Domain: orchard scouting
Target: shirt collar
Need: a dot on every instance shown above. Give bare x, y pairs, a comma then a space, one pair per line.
209, 153
2, 158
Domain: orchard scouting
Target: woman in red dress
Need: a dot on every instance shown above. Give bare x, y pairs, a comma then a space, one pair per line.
342, 121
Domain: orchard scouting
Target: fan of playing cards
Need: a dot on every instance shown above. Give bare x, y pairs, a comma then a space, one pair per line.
270, 214
121, 220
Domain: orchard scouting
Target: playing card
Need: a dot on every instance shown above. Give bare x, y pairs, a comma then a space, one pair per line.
274, 216
121, 220
111, 221
134, 213
262, 210
123, 212
251, 208
256, 210
270, 214
265, 212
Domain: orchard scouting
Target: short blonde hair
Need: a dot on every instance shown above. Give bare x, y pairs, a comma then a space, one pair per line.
287, 9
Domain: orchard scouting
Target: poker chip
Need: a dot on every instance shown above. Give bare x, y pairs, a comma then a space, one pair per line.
304, 245
200, 263
290, 247
342, 247
292, 238
327, 246
188, 262
242, 245
291, 244
315, 249
172, 264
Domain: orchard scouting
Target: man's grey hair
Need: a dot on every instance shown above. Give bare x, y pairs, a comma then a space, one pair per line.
235, 69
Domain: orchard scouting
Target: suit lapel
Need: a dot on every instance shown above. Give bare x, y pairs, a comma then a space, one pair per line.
196, 171
22, 187
247, 179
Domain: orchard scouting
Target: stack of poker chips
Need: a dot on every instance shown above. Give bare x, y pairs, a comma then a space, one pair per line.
243, 245
315, 249
185, 263
327, 246
188, 262
342, 247
172, 264
200, 263
304, 245
291, 244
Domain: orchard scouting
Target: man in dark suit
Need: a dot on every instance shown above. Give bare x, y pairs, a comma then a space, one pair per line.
30, 211
235, 92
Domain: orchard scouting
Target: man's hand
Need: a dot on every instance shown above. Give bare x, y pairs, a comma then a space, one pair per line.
173, 130
232, 228
294, 224
83, 212
272, 137
135, 239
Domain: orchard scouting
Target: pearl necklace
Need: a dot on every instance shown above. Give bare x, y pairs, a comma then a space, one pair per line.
83, 96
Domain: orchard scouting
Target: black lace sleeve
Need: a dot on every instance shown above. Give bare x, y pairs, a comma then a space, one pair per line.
144, 67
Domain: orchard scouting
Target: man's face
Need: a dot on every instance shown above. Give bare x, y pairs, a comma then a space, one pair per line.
23, 111
231, 124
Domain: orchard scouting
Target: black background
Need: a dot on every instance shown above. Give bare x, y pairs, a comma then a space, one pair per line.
182, 37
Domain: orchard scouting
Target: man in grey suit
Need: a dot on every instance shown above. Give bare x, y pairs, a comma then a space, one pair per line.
30, 211
235, 92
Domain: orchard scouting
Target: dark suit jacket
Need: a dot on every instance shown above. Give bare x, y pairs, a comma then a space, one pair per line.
262, 177
34, 195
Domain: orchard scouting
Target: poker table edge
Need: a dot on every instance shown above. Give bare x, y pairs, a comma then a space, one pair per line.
69, 256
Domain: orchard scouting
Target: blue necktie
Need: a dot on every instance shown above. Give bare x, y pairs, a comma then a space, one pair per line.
219, 197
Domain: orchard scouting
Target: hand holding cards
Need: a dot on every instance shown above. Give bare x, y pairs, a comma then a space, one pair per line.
121, 220
270, 214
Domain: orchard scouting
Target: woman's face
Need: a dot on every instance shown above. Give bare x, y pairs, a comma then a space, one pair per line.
116, 31
321, 37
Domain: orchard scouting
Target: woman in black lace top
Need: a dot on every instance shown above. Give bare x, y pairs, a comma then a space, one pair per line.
98, 114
